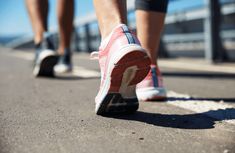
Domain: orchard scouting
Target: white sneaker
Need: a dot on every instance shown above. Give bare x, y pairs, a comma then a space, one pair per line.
64, 64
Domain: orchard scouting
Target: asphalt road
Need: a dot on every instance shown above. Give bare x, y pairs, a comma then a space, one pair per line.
57, 115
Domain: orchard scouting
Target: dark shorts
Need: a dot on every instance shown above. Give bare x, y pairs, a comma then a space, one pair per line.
152, 5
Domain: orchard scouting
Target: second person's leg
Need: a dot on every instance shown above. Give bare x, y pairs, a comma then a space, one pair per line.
45, 57
38, 12
65, 12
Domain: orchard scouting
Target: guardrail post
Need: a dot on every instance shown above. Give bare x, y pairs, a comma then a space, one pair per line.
75, 40
214, 52
87, 37
162, 50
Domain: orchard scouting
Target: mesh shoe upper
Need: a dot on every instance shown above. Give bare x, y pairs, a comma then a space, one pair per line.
153, 79
120, 37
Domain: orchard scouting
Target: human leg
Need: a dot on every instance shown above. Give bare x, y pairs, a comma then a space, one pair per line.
123, 62
110, 13
65, 13
150, 16
38, 11
45, 57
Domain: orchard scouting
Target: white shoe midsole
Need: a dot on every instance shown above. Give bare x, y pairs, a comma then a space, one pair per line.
150, 92
62, 68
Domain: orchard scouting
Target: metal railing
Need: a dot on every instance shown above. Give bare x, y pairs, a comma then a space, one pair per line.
87, 37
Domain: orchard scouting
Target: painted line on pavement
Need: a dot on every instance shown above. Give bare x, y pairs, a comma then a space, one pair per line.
77, 70
219, 110
84, 72
196, 66
162, 63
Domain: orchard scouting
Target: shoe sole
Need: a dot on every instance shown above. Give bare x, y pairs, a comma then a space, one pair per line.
152, 95
59, 71
46, 66
120, 97
114, 103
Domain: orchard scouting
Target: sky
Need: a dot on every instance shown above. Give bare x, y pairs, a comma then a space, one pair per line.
15, 21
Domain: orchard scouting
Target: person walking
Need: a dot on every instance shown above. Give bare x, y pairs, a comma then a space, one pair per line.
123, 61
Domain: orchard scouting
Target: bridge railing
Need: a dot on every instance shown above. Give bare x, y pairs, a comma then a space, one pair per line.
199, 24
88, 37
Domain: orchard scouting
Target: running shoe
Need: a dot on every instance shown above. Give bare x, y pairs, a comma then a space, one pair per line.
45, 59
123, 63
151, 88
64, 64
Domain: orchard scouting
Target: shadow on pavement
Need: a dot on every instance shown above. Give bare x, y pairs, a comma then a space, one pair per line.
227, 100
180, 121
199, 75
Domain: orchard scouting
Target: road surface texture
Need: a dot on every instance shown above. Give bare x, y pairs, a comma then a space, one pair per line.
56, 115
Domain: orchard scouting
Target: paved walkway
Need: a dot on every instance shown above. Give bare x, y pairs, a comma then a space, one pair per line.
57, 115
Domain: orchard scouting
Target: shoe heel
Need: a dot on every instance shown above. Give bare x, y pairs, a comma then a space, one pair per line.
130, 70
113, 104
125, 72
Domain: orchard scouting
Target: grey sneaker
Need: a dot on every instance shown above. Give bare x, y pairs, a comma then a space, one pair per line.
64, 64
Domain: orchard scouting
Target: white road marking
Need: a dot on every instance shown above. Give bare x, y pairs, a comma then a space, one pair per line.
196, 66
177, 64
77, 70
84, 73
218, 110
29, 56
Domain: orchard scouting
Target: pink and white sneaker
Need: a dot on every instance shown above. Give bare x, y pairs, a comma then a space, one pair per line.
151, 88
123, 63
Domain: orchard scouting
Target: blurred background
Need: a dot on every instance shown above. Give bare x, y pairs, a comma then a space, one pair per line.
193, 28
